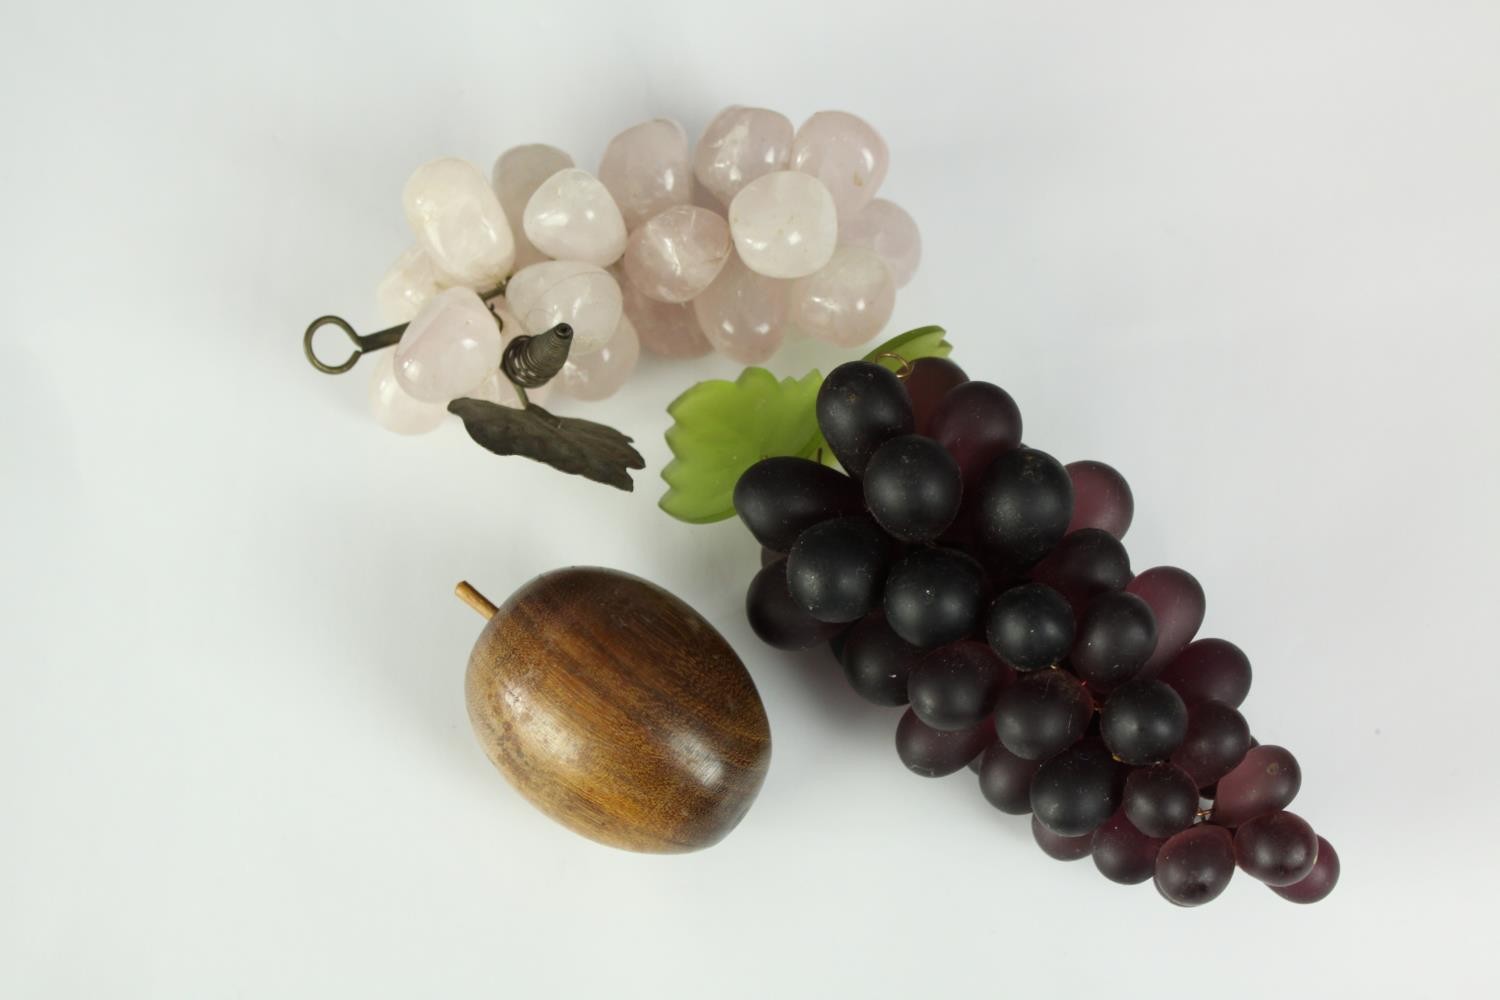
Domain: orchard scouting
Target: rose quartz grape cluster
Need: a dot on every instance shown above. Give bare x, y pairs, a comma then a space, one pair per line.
759, 232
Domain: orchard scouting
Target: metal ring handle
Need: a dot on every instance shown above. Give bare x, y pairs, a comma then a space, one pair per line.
362, 345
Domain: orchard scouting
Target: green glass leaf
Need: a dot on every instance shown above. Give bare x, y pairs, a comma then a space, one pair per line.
923, 342
722, 428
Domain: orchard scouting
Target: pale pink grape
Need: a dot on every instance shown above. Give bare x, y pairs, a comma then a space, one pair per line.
565, 291
847, 302
743, 314
518, 172
599, 374
647, 170
458, 221
739, 145
449, 348
678, 253
665, 329
784, 224
886, 228
407, 286
572, 216
844, 152
394, 409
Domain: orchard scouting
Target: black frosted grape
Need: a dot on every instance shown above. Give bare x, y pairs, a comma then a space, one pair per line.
933, 596
1041, 713
933, 753
779, 498
976, 422
1160, 800
1194, 866
877, 661
777, 619
928, 382
1142, 722
1115, 638
1055, 845
1177, 603
836, 570
1030, 626
1079, 694
1278, 848
960, 534
1005, 780
1215, 742
862, 405
912, 488
1319, 882
1209, 670
1265, 781
1122, 853
1083, 565
1025, 500
1101, 498
1074, 792
955, 686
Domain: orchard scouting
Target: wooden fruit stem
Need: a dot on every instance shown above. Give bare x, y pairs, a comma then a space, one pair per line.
474, 599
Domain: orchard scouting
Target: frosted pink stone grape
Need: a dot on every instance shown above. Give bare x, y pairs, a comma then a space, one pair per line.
784, 225
407, 286
677, 253
844, 152
647, 169
394, 409
665, 329
886, 228
572, 216
743, 314
566, 291
518, 172
847, 302
739, 145
451, 346
599, 374
458, 221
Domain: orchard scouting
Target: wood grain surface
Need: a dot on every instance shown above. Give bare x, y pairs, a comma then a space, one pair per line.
618, 711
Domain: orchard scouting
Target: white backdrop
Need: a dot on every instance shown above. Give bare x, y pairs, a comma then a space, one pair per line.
1247, 253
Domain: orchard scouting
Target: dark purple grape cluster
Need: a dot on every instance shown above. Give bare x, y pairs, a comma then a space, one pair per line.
983, 584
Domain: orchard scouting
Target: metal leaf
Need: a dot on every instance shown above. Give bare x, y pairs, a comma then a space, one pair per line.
578, 447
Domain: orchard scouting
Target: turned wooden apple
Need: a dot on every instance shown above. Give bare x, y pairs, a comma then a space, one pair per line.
617, 710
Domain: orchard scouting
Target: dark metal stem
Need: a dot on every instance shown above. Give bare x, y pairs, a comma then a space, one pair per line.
362, 344
369, 342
